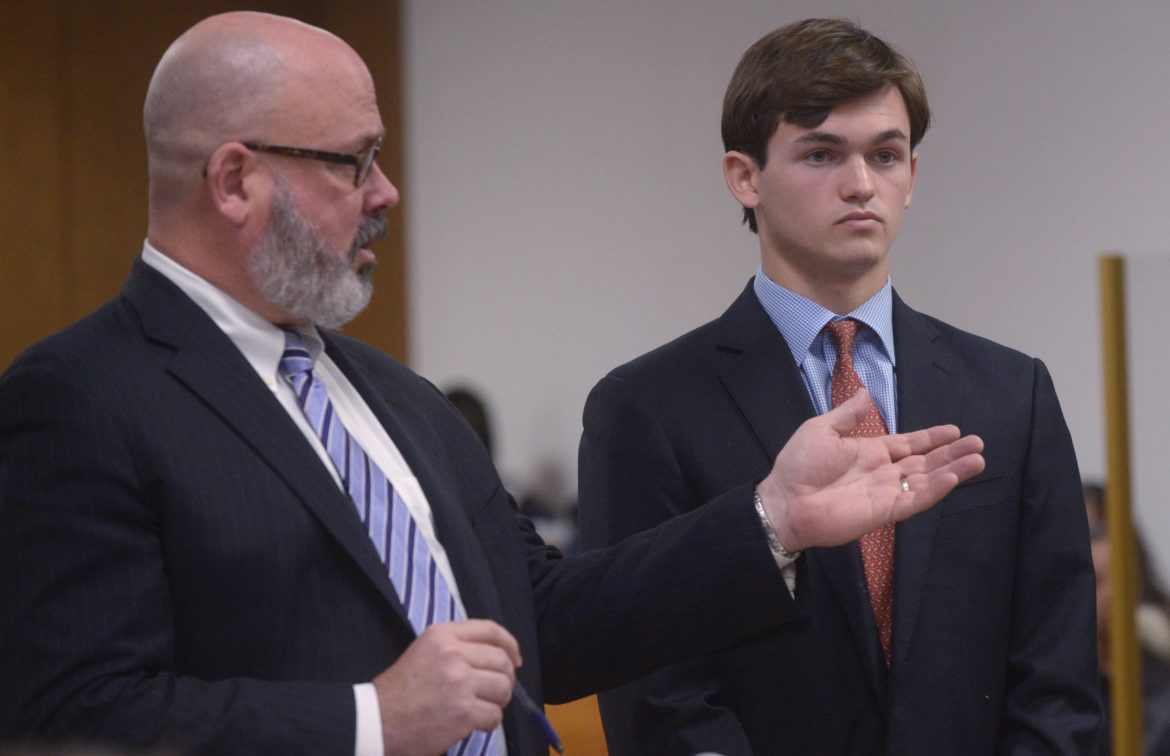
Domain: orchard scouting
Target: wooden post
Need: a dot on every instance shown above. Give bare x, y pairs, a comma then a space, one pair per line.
1125, 676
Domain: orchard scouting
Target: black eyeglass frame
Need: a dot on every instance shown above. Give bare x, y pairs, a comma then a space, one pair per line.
362, 161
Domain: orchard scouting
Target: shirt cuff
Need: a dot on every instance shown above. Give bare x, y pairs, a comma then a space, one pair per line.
789, 573
368, 739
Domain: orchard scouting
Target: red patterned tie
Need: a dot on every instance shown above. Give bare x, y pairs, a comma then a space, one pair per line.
877, 547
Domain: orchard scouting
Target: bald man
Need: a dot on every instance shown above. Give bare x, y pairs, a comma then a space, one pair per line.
226, 529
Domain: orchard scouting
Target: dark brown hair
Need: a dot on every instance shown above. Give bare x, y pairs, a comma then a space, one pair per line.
800, 72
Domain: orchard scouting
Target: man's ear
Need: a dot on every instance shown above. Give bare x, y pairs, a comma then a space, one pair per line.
913, 173
740, 172
232, 173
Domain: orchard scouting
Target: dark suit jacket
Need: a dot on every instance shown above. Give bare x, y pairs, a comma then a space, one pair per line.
993, 640
177, 566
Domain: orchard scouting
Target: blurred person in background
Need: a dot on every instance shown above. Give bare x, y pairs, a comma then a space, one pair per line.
1151, 622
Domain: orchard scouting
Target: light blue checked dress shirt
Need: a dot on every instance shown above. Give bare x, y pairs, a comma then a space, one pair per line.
802, 321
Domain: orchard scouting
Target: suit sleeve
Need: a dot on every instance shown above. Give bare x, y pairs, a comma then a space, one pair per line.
1052, 702
87, 641
631, 479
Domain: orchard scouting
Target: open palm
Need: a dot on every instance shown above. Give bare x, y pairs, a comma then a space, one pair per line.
828, 488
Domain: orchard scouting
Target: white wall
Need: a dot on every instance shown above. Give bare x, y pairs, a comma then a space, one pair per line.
567, 211
1147, 281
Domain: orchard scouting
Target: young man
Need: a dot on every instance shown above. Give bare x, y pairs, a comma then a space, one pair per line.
225, 529
967, 629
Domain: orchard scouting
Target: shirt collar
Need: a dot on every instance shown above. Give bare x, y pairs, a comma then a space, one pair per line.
800, 320
261, 342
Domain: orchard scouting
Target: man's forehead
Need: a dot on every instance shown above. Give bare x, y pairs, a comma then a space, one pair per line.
343, 110
875, 118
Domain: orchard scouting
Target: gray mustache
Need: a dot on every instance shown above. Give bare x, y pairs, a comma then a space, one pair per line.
371, 231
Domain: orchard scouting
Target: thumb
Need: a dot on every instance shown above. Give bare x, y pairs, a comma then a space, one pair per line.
850, 413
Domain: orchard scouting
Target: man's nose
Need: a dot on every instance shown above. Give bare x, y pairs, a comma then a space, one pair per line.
857, 183
381, 194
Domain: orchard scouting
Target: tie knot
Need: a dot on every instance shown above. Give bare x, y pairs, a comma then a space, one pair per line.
843, 333
296, 359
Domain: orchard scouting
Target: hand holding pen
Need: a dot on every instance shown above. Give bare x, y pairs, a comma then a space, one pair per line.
456, 677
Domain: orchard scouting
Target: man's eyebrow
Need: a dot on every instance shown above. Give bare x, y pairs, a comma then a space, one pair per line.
821, 137
824, 137
891, 135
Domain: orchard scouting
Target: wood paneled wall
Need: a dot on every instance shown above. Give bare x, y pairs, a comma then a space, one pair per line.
73, 75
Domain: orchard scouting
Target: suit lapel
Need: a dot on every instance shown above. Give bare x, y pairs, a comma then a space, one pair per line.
757, 370
759, 373
206, 362
929, 393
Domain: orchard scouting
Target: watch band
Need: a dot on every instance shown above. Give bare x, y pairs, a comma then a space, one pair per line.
773, 541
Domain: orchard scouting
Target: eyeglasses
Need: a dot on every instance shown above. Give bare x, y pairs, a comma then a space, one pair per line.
362, 161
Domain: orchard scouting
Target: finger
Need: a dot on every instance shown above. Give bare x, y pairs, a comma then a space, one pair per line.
967, 467
958, 448
479, 712
942, 456
849, 414
925, 491
482, 657
494, 687
485, 715
491, 633
953, 472
901, 445
928, 488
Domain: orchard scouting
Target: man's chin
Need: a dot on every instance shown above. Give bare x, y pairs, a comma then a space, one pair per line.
863, 257
344, 303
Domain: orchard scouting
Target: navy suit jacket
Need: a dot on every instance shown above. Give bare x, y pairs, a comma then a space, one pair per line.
993, 639
178, 567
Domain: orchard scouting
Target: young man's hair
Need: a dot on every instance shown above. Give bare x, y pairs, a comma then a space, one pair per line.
800, 72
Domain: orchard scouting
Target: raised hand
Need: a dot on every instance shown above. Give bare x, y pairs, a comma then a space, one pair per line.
828, 488
455, 678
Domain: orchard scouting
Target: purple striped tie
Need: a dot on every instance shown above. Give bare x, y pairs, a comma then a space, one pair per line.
421, 587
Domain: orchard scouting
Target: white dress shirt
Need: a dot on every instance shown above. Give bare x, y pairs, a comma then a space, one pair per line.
262, 344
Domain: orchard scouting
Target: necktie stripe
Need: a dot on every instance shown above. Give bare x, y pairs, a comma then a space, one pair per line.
392, 553
347, 474
431, 596
356, 468
406, 555
323, 432
408, 584
367, 495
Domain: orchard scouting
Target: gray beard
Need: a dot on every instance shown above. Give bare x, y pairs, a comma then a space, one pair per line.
294, 268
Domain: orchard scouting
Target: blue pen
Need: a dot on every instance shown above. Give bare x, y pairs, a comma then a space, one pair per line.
537, 714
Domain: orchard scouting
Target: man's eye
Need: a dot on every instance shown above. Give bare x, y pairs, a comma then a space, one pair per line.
886, 157
818, 156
